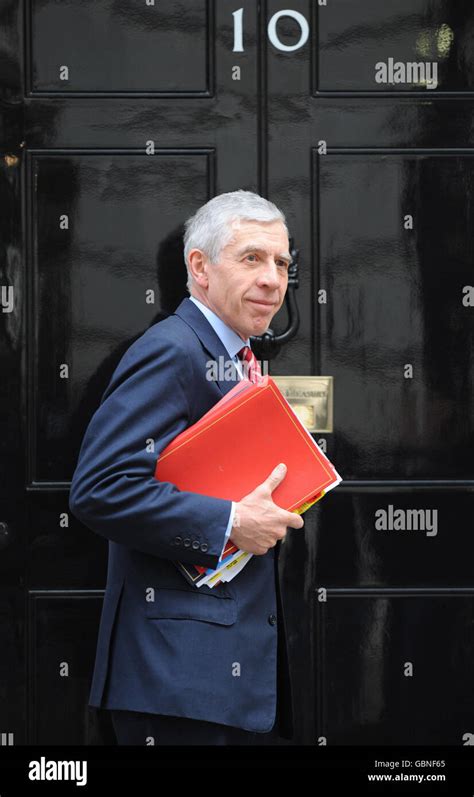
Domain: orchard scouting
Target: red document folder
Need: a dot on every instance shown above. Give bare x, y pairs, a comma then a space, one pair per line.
236, 445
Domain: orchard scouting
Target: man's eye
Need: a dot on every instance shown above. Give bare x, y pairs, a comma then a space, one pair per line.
248, 256
283, 263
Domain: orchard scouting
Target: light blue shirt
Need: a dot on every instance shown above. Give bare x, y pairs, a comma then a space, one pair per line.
232, 343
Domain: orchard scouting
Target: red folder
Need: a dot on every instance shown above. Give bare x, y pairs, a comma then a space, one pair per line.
236, 445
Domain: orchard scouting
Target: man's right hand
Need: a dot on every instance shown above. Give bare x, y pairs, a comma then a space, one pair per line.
258, 522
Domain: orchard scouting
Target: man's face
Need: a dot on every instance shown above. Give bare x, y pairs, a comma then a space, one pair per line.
247, 285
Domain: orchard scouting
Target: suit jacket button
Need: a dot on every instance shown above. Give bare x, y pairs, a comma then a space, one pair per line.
195, 545
186, 542
272, 619
204, 546
178, 540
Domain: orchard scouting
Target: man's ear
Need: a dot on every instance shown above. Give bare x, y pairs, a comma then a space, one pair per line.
198, 266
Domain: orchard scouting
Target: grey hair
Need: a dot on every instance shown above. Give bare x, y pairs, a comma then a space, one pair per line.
210, 228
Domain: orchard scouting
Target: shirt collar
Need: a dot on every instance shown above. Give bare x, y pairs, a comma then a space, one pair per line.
232, 342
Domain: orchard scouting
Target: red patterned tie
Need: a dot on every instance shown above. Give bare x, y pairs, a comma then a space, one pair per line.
251, 365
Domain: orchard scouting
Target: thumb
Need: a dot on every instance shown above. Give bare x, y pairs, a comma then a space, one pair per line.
276, 476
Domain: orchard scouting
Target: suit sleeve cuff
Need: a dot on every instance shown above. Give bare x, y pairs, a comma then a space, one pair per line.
228, 530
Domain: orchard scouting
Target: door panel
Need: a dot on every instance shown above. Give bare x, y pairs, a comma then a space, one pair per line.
106, 235
353, 38
396, 303
115, 47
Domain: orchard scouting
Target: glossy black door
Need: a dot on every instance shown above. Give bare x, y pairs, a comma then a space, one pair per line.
378, 182
117, 123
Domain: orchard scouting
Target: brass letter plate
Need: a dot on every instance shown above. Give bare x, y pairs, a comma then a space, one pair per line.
311, 398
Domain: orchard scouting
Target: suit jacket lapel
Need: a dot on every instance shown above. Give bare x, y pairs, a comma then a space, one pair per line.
228, 376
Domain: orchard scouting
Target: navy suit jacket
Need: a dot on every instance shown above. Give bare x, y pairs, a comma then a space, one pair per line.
165, 646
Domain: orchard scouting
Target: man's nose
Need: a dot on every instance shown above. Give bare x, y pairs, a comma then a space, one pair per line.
269, 275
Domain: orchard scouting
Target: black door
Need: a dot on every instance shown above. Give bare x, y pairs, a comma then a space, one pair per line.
117, 122
378, 179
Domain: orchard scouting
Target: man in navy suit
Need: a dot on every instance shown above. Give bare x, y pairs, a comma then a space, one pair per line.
177, 663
